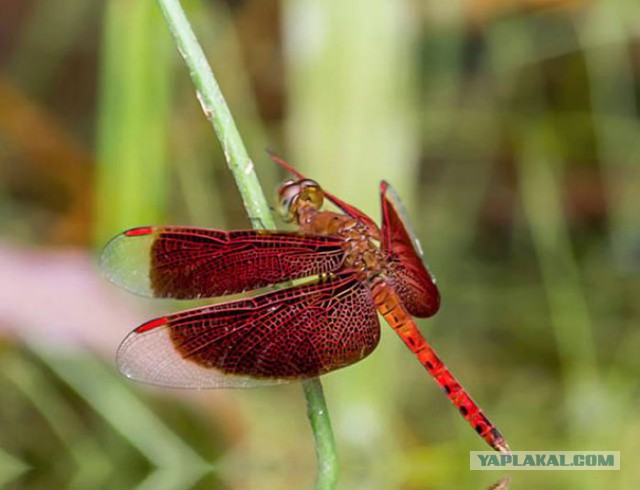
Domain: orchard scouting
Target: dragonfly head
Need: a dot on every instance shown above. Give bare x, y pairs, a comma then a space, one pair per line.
294, 193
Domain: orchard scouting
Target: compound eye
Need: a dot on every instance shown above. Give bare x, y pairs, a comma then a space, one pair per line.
288, 194
311, 192
292, 193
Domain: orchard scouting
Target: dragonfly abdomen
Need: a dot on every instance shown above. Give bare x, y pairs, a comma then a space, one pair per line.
391, 308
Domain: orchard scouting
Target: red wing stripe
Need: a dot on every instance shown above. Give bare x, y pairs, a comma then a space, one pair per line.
151, 324
143, 230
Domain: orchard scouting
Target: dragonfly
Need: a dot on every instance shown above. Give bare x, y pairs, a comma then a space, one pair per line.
311, 297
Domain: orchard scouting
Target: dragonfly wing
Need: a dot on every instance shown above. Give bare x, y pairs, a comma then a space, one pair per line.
189, 263
299, 332
406, 272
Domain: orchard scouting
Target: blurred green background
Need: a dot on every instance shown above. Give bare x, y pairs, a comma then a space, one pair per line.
509, 127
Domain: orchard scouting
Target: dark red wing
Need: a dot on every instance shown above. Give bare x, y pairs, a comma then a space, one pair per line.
294, 333
187, 263
407, 272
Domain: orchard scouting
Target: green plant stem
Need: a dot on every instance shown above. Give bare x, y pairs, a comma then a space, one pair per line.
321, 427
216, 110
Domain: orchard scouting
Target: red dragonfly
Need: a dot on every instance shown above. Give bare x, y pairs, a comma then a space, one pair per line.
344, 268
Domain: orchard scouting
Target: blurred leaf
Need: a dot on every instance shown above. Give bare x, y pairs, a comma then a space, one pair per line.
133, 118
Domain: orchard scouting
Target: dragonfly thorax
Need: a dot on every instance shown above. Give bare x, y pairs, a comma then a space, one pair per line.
362, 252
300, 201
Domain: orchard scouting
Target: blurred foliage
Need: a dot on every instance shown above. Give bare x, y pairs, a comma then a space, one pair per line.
510, 129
